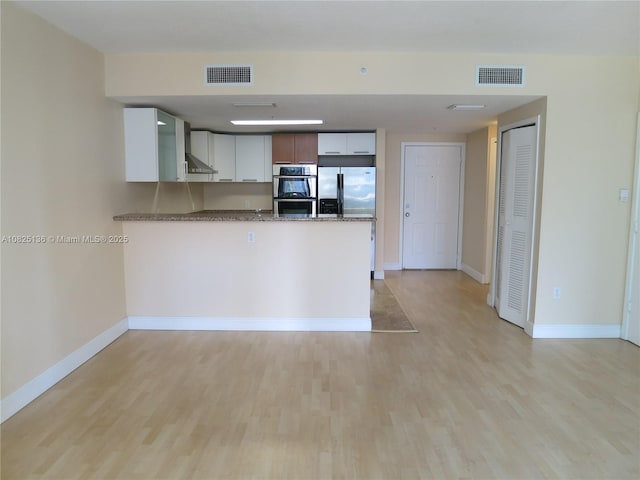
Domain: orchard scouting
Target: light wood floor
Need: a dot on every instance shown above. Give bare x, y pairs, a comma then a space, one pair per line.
470, 396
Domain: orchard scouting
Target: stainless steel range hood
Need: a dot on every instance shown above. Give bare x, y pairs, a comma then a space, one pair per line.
194, 164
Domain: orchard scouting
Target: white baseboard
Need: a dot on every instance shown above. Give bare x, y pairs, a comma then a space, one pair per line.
473, 273
359, 324
575, 331
14, 402
392, 266
378, 275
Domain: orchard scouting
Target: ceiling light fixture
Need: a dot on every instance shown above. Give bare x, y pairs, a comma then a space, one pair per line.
465, 107
276, 122
161, 122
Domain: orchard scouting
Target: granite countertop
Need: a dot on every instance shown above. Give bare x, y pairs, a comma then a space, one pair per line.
239, 216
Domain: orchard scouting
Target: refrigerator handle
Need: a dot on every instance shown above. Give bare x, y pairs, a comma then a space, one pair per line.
340, 184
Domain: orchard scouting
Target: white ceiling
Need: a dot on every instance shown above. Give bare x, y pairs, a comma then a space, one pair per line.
556, 27
571, 27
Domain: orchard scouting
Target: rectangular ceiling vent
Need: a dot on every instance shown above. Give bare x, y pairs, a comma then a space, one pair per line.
500, 76
228, 75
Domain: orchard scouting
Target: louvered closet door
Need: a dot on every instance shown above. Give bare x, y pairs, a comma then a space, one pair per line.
515, 222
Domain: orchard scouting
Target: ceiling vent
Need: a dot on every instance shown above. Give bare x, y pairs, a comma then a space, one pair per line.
228, 75
500, 76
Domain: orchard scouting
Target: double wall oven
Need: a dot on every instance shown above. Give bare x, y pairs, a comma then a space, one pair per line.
295, 189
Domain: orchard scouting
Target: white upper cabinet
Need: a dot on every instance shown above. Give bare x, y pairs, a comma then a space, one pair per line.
219, 152
361, 143
154, 146
251, 158
332, 144
347, 143
242, 158
224, 154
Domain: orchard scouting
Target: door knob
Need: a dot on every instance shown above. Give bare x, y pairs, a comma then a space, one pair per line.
407, 214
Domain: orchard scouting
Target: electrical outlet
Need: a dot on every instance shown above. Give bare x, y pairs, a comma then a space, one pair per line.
556, 292
251, 237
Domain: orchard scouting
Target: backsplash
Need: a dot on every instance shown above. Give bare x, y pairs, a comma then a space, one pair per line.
238, 196
166, 197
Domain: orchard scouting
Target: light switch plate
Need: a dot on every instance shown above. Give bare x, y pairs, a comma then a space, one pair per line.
623, 195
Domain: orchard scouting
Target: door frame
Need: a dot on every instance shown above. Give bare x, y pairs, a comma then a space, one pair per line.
463, 155
491, 297
634, 248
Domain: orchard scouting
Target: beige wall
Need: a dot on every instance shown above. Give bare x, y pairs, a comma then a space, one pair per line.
61, 163
583, 231
62, 174
581, 225
312, 72
475, 214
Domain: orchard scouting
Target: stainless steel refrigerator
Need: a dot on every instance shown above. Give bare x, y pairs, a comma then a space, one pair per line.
353, 189
349, 190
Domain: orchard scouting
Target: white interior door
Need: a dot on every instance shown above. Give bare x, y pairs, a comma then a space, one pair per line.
515, 222
431, 206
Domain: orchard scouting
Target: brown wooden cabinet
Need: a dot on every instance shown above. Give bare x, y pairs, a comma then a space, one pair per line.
282, 148
294, 148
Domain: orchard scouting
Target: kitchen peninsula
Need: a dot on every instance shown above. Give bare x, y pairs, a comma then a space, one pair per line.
246, 270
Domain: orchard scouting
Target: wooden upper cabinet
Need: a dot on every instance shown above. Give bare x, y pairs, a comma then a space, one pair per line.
295, 148
282, 148
306, 148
